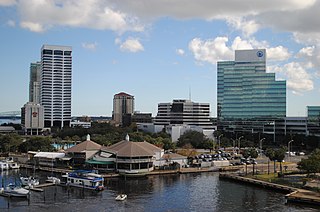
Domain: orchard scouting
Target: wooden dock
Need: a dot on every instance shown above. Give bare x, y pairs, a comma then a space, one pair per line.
294, 194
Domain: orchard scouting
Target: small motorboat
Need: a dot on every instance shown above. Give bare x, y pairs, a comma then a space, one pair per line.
121, 197
14, 191
54, 180
29, 181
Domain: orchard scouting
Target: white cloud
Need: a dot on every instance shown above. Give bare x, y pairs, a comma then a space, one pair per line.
210, 50
131, 45
7, 2
298, 79
213, 50
248, 27
180, 52
34, 27
90, 46
278, 53
92, 14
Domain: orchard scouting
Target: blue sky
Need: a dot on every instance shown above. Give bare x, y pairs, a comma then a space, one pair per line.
158, 50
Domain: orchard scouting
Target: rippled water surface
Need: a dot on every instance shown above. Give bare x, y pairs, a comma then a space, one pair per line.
174, 193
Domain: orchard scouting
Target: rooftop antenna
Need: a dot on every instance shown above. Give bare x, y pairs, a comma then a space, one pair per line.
189, 93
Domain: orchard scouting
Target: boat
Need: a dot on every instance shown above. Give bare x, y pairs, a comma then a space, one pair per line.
4, 165
12, 190
84, 179
121, 197
14, 165
29, 181
54, 180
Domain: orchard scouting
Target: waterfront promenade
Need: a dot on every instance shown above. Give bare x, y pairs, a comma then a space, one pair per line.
294, 194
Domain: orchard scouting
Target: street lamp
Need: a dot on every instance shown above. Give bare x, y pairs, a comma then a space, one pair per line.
260, 144
289, 148
219, 141
239, 141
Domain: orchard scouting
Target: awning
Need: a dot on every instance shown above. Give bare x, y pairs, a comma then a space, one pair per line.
99, 162
50, 155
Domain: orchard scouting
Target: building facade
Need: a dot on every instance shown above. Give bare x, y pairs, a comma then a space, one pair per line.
34, 84
184, 112
247, 97
56, 79
314, 120
123, 108
32, 118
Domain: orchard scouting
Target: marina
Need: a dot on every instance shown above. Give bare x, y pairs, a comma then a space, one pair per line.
151, 193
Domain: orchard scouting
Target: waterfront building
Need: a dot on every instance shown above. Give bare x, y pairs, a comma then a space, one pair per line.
32, 118
55, 86
34, 83
127, 157
247, 97
123, 108
80, 153
7, 129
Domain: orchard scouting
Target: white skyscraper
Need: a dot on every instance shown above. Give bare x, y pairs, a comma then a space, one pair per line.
55, 92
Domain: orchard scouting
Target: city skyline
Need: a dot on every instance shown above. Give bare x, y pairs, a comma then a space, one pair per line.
157, 51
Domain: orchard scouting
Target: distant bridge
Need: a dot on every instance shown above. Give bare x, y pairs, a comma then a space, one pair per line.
10, 115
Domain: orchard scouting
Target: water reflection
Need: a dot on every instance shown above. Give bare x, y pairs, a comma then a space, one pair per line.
188, 192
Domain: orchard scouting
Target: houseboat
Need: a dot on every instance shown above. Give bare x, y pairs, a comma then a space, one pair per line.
84, 179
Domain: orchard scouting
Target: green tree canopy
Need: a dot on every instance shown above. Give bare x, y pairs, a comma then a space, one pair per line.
312, 163
196, 139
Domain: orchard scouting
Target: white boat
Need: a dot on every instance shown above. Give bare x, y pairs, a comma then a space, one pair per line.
121, 197
14, 165
4, 165
29, 181
85, 179
54, 180
14, 191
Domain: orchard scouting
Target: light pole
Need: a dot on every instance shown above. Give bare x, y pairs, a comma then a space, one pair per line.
289, 149
233, 144
260, 144
239, 143
219, 141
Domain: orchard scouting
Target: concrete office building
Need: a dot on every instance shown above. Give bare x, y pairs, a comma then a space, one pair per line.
123, 108
247, 97
34, 84
56, 77
184, 112
32, 118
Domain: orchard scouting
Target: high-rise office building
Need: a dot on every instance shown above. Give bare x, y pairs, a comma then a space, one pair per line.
34, 84
123, 108
247, 93
184, 112
55, 92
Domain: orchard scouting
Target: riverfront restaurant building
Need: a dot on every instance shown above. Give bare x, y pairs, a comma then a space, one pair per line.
80, 153
127, 157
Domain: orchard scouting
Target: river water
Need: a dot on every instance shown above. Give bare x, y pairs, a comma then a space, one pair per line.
171, 193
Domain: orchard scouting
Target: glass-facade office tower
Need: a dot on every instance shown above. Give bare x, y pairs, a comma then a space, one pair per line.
314, 120
34, 84
246, 92
56, 73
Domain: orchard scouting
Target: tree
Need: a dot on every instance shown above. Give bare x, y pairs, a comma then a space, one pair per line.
312, 163
37, 143
279, 155
195, 138
270, 153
